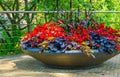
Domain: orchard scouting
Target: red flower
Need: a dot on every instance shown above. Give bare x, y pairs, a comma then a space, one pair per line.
102, 30
84, 31
79, 34
118, 47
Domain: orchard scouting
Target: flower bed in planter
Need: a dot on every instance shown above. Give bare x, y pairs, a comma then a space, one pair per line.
73, 45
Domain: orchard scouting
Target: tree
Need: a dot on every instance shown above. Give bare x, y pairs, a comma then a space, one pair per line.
11, 24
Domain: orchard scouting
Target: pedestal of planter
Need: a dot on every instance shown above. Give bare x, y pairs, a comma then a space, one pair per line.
70, 59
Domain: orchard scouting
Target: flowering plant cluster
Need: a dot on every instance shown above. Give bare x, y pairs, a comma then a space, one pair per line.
51, 37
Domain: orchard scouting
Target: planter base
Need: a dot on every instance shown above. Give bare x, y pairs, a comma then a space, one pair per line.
61, 60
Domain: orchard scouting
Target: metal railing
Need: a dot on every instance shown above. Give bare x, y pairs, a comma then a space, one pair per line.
57, 11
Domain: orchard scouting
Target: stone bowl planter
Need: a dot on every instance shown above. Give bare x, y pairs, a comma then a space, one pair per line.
69, 59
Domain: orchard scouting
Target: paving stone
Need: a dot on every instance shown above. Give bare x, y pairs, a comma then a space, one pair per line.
25, 66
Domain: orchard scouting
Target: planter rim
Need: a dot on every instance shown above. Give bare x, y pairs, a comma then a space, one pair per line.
36, 50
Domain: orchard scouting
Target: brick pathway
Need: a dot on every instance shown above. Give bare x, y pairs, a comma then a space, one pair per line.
25, 66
